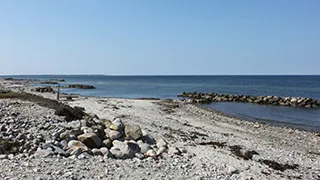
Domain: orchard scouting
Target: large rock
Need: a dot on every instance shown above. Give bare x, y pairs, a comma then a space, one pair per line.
114, 134
107, 143
144, 147
124, 150
86, 129
96, 152
117, 125
72, 125
75, 152
69, 112
91, 140
132, 132
43, 153
117, 153
161, 143
134, 146
148, 139
107, 123
85, 155
74, 144
104, 151
58, 150
99, 130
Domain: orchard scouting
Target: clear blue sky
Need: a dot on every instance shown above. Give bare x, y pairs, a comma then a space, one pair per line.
142, 37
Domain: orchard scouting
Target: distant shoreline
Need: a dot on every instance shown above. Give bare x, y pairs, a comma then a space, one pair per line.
218, 75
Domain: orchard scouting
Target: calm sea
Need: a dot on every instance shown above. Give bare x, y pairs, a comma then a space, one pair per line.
171, 86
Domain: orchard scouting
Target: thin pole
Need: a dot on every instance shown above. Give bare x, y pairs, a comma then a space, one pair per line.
58, 94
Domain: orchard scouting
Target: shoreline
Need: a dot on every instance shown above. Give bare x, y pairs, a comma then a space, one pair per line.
27, 83
277, 123
223, 147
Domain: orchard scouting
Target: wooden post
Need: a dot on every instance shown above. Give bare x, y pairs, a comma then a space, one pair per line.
58, 94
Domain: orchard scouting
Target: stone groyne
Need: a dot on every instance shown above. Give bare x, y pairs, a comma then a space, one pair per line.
205, 98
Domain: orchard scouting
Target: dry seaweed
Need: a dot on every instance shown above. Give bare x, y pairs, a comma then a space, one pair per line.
277, 166
214, 144
236, 150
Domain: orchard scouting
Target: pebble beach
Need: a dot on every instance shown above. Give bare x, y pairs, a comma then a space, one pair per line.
119, 138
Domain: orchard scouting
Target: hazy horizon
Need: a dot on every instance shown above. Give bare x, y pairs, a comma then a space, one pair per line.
160, 75
160, 37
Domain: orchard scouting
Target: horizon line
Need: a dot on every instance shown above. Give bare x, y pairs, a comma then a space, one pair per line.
160, 75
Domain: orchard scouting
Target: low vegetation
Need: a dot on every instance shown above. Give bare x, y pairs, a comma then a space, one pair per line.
60, 108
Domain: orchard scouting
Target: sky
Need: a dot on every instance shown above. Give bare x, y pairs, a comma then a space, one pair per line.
160, 37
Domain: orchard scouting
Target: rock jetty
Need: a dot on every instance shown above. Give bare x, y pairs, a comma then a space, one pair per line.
48, 82
205, 98
57, 80
79, 86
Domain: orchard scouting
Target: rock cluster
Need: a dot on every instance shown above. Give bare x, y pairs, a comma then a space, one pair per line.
204, 98
79, 86
79, 139
48, 82
44, 89
57, 80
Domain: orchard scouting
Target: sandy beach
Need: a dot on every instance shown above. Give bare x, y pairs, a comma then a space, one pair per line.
212, 146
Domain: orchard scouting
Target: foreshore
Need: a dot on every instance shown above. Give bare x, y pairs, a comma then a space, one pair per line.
215, 146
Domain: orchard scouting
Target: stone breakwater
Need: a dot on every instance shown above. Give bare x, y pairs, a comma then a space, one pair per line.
79, 86
204, 98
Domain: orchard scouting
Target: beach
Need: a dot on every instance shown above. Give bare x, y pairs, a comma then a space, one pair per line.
211, 145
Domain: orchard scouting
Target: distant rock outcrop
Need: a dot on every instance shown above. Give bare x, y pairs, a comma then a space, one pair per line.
79, 86
44, 89
48, 82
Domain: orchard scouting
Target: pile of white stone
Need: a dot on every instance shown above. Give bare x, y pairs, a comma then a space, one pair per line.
94, 137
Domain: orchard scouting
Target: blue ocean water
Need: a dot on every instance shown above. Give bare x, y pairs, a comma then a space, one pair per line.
171, 86
302, 118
